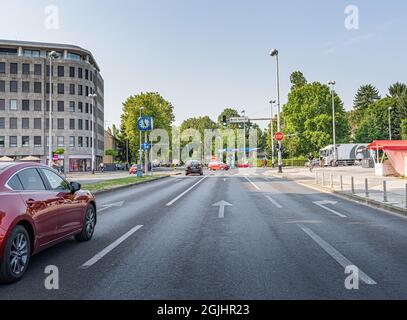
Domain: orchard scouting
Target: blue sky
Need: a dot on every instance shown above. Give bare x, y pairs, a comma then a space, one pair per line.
206, 55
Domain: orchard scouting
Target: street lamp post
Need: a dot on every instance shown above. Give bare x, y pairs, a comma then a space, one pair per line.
332, 84
274, 53
141, 151
390, 133
272, 134
51, 56
244, 139
93, 96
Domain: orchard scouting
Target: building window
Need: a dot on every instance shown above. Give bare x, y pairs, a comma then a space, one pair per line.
80, 142
13, 123
13, 141
61, 71
2, 67
80, 90
2, 86
47, 106
87, 74
25, 105
61, 106
2, 140
60, 124
26, 86
80, 124
91, 75
37, 69
74, 56
37, 141
25, 123
13, 68
32, 53
80, 107
37, 123
38, 87
72, 106
13, 86
13, 105
71, 88
2, 123
72, 72
37, 105
87, 125
87, 108
26, 68
61, 88
25, 141
60, 141
87, 142
47, 71
47, 88
2, 104
72, 142
80, 73
71, 124
86, 91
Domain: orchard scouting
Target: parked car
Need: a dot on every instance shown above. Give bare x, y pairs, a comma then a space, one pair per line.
133, 169
38, 209
193, 166
242, 165
217, 165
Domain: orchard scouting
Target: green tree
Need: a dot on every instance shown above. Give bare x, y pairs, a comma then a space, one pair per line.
404, 129
365, 96
297, 80
398, 90
154, 105
308, 119
375, 123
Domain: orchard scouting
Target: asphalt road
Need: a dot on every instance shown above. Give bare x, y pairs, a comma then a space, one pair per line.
276, 240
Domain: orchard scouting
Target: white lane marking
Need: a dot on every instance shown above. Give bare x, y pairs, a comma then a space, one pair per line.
185, 192
222, 204
111, 205
253, 184
274, 202
109, 248
323, 204
336, 255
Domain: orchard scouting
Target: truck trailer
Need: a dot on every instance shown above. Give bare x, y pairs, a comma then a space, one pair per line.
347, 154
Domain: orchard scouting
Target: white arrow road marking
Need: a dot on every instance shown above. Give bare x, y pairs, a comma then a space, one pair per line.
336, 255
222, 204
111, 205
253, 184
109, 248
185, 192
274, 202
323, 205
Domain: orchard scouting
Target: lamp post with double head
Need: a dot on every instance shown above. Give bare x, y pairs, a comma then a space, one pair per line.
93, 96
51, 56
274, 53
332, 84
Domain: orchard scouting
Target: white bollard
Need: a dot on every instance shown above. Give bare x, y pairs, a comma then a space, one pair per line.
385, 191
367, 188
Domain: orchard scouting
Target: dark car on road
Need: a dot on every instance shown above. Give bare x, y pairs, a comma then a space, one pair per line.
38, 209
193, 166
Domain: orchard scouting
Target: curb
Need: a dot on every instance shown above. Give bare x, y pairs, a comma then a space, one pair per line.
97, 193
361, 200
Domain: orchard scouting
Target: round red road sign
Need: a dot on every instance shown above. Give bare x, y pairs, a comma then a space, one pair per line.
279, 136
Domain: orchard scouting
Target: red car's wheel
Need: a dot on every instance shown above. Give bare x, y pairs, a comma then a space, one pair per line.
88, 226
16, 257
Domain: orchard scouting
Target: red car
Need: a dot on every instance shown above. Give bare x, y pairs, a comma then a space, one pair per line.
38, 209
133, 169
217, 165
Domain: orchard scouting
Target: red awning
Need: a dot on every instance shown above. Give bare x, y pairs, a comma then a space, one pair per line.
388, 145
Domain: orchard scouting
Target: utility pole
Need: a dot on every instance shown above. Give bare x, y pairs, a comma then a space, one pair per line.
272, 134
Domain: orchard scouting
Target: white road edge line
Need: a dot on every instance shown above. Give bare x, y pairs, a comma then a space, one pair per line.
185, 192
329, 209
109, 248
274, 202
336, 255
253, 184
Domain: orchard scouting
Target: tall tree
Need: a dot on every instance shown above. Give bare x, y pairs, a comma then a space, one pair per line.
398, 90
154, 105
297, 80
308, 119
365, 96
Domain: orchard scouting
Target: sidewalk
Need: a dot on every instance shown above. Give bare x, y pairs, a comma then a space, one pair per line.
339, 180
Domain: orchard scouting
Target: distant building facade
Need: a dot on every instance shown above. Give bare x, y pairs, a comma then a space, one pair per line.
24, 103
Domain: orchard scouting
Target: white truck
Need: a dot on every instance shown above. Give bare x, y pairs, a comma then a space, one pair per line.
347, 154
